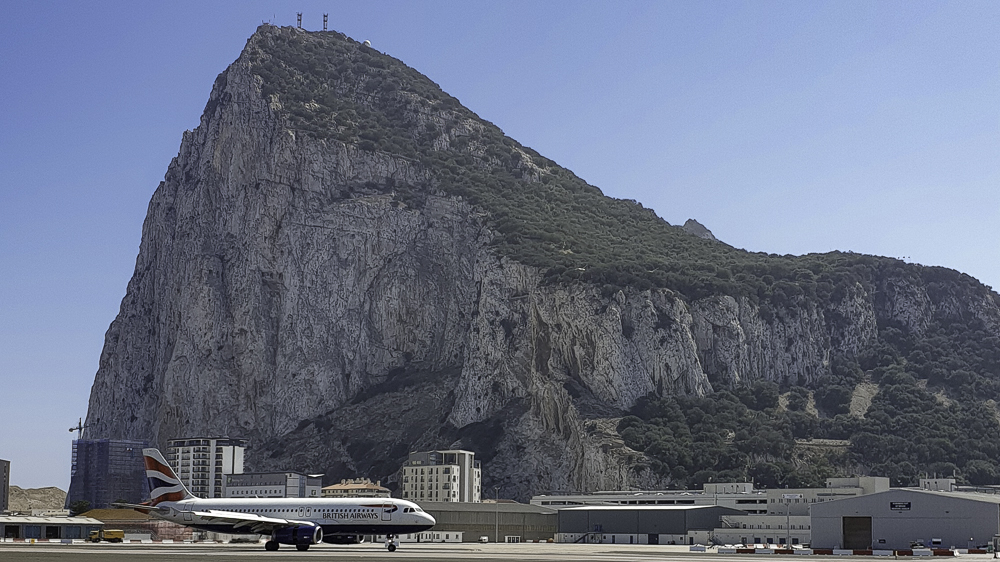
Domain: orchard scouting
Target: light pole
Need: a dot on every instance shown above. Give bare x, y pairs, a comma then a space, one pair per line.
496, 532
788, 528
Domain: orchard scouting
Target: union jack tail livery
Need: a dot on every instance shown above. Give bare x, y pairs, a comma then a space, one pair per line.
163, 482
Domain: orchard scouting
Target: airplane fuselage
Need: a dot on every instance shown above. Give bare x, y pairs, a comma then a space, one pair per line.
337, 516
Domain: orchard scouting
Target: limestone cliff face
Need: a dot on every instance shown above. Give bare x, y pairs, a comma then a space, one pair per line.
279, 296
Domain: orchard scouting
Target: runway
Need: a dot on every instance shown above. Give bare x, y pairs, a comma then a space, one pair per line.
409, 552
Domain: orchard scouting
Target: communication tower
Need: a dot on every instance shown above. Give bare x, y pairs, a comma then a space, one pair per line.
299, 16
324, 21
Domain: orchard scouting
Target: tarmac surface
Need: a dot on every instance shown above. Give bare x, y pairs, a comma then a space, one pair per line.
408, 552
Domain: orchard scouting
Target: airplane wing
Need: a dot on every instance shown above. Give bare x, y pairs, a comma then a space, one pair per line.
253, 523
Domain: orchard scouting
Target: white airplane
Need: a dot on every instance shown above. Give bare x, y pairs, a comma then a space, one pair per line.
294, 521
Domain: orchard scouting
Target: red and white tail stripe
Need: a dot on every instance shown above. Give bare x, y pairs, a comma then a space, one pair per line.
163, 482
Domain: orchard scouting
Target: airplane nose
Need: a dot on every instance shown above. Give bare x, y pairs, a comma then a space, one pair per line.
430, 518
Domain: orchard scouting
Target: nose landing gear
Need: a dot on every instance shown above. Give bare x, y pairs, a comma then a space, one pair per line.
391, 543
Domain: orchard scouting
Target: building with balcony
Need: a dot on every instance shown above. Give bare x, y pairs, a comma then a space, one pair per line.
356, 488
442, 476
273, 485
202, 463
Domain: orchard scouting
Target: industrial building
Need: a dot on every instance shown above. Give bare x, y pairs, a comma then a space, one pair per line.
47, 528
272, 485
356, 488
4, 486
201, 463
900, 517
645, 524
106, 471
763, 529
735, 495
498, 521
442, 476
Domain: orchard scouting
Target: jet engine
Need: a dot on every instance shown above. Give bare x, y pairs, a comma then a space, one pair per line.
300, 534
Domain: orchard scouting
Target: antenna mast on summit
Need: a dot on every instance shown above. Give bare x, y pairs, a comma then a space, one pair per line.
299, 16
78, 429
324, 21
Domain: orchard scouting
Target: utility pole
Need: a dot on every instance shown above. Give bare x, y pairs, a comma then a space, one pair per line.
496, 533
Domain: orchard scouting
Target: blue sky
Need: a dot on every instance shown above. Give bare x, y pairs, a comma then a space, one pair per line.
786, 127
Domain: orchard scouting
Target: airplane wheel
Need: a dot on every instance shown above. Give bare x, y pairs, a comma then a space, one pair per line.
302, 547
392, 548
271, 546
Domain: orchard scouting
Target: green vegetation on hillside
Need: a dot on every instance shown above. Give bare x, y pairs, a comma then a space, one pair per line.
334, 89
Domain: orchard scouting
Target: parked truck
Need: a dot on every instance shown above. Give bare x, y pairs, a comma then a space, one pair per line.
109, 535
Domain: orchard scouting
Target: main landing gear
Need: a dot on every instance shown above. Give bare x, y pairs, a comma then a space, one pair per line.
302, 547
391, 544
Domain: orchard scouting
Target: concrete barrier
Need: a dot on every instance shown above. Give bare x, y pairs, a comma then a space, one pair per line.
726, 550
842, 552
923, 552
883, 552
807, 551
697, 548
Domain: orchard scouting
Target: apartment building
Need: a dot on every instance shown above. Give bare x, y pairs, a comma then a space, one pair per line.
442, 476
203, 462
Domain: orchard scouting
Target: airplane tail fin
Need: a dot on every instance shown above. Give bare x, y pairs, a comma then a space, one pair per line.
164, 485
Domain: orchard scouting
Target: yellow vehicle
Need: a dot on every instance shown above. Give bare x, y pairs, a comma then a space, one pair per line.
110, 535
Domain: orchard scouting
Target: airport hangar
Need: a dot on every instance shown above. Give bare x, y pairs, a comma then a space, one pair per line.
897, 518
660, 524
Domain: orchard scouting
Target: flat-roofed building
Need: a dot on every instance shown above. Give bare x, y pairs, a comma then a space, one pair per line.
273, 485
442, 476
202, 463
47, 528
105, 471
648, 524
356, 488
4, 486
506, 521
736, 495
796, 501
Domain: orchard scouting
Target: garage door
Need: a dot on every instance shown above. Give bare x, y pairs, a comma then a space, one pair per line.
857, 532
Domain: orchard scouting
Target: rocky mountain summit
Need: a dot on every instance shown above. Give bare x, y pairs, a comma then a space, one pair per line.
343, 264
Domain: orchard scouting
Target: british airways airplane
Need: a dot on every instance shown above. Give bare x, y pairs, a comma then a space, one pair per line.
293, 521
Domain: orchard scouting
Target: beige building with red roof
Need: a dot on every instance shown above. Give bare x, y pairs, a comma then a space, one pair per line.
356, 488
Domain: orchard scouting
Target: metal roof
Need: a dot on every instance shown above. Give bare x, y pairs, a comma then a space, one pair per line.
31, 520
639, 507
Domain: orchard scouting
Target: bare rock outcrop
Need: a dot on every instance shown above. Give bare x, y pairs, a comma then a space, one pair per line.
284, 292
